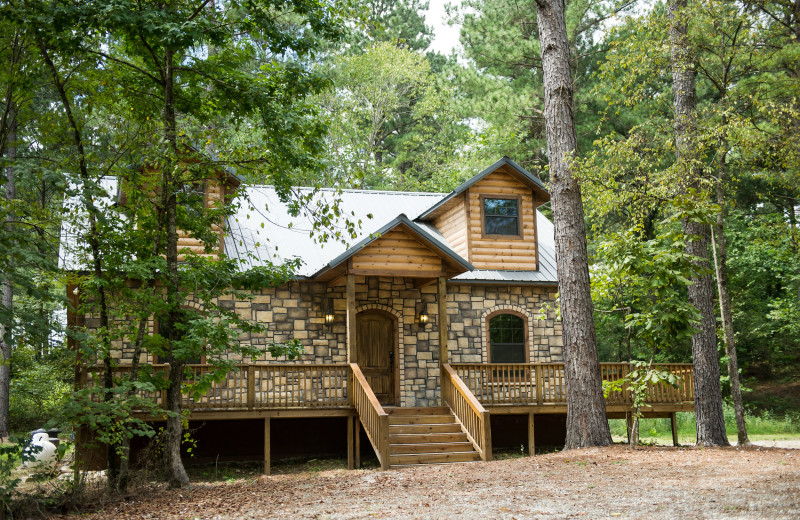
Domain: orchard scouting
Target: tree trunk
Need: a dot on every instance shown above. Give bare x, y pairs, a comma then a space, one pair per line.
721, 268
6, 338
176, 473
587, 424
93, 238
707, 390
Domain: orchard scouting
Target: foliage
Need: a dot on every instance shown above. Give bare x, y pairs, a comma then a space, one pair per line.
391, 123
636, 383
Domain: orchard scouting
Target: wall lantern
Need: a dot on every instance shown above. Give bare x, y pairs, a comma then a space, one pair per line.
329, 316
423, 318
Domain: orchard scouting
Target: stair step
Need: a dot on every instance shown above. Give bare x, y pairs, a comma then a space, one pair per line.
424, 428
434, 458
433, 410
427, 438
421, 419
437, 447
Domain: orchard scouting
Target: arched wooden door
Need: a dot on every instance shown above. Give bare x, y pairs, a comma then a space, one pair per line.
376, 333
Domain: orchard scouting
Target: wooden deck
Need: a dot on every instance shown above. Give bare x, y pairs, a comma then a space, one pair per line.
471, 392
501, 388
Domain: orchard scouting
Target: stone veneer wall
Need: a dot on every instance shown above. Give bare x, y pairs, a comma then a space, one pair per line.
296, 311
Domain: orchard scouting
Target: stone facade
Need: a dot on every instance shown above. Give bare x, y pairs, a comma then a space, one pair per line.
296, 311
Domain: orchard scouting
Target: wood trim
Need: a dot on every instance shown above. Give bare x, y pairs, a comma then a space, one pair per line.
520, 223
441, 297
352, 350
535, 230
488, 338
469, 220
396, 273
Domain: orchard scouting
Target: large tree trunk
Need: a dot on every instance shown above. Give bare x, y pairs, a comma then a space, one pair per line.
707, 390
176, 473
7, 286
587, 424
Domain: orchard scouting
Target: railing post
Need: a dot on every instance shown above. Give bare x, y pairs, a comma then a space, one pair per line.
486, 427
350, 386
251, 386
384, 442
539, 384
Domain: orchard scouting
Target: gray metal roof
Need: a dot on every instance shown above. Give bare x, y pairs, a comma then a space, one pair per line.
73, 248
262, 230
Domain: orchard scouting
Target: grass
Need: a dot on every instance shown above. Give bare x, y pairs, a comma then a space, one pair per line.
767, 425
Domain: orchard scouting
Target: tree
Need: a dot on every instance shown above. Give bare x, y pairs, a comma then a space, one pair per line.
587, 424
707, 391
142, 87
392, 125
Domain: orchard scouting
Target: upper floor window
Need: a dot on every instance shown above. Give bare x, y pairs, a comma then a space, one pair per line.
501, 216
507, 339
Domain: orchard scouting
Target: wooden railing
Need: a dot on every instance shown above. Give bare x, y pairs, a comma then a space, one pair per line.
468, 411
544, 383
256, 386
374, 419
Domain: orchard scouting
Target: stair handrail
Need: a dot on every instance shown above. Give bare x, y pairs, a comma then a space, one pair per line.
373, 417
468, 411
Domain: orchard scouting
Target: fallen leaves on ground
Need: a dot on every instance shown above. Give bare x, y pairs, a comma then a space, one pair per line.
612, 482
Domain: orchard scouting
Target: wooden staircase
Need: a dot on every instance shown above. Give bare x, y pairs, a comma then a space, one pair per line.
427, 436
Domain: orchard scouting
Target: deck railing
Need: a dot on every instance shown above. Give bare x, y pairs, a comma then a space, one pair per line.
468, 410
255, 386
371, 413
545, 383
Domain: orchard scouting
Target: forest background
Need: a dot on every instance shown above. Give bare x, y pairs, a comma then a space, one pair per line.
348, 96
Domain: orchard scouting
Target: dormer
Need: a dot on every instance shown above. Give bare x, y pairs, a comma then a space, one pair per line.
490, 220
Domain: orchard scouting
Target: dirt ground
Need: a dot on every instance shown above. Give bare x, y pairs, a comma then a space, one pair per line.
657, 482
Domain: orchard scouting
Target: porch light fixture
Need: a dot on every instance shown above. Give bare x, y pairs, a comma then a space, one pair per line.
329, 316
423, 318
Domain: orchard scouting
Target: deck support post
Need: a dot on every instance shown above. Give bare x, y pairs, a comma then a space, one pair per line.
673, 419
351, 318
629, 424
357, 421
267, 443
531, 436
350, 450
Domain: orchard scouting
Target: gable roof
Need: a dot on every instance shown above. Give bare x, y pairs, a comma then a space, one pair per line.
429, 239
521, 173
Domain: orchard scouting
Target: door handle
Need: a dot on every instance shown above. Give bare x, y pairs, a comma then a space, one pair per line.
391, 358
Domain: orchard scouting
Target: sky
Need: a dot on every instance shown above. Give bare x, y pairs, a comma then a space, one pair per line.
445, 37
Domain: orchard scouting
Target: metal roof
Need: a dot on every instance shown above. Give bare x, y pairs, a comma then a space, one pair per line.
73, 248
262, 231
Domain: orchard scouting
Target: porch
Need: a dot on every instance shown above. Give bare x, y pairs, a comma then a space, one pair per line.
470, 394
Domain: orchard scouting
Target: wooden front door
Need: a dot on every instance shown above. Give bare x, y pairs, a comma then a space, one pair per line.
376, 338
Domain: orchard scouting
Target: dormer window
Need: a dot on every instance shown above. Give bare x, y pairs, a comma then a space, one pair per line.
501, 216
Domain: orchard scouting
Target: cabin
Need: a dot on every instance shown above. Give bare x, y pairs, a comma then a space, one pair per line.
428, 339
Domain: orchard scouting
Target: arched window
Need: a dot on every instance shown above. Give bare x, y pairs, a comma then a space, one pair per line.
507, 339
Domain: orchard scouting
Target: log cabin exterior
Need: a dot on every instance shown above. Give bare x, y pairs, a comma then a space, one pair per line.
439, 317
